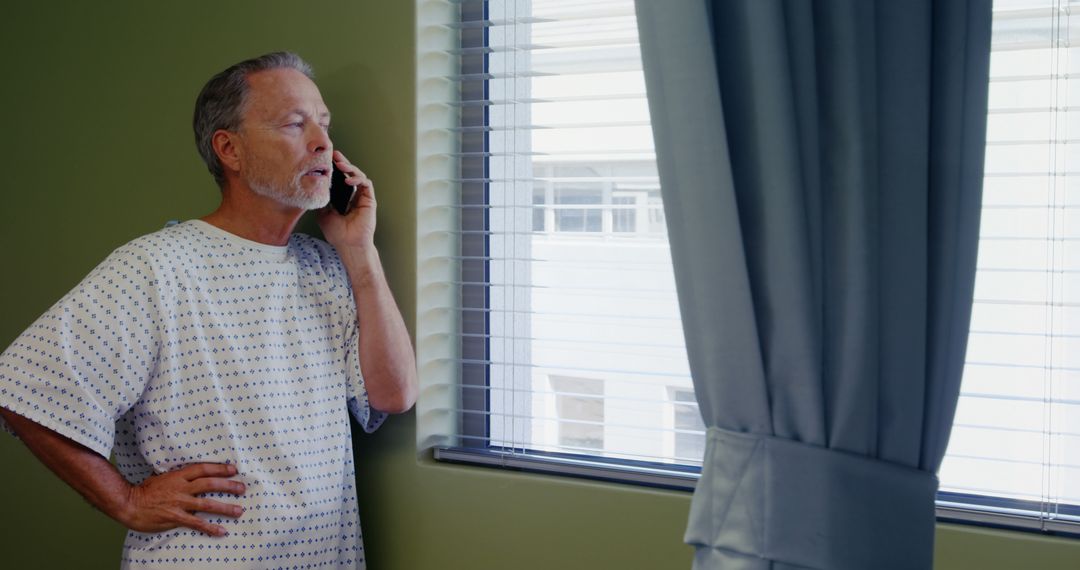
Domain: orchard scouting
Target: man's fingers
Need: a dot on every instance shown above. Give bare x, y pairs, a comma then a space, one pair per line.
199, 470
357, 178
214, 507
344, 164
361, 181
349, 168
216, 485
352, 172
195, 523
353, 175
363, 185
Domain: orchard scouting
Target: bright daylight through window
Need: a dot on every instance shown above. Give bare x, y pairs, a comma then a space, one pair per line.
1015, 445
569, 346
571, 341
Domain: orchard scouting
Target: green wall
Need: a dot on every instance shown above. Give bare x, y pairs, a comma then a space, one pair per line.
98, 149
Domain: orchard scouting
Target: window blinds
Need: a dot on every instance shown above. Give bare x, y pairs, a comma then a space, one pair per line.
1015, 445
568, 343
549, 334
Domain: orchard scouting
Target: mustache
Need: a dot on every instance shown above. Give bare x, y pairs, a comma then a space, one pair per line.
324, 162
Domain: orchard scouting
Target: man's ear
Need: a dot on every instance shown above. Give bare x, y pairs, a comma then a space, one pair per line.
225, 144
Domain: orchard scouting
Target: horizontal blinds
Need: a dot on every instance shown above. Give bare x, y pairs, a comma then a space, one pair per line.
569, 339
567, 336
1015, 444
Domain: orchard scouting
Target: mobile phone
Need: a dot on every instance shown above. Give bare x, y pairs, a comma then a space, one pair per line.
341, 194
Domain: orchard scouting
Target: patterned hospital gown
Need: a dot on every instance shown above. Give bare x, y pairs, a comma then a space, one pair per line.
195, 345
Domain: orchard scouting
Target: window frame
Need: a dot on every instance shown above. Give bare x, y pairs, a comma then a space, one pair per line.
477, 445
476, 303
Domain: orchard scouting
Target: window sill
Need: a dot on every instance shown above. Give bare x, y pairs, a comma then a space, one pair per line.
684, 478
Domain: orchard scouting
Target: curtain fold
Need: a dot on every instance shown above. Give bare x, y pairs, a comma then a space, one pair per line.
821, 167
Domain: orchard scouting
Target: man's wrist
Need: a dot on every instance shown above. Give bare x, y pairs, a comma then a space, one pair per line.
124, 508
361, 263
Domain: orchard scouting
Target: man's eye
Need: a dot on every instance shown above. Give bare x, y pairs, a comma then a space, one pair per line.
325, 127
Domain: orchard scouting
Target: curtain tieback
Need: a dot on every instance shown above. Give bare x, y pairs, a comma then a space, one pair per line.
810, 506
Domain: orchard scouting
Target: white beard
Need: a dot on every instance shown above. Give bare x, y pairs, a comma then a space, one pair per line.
291, 195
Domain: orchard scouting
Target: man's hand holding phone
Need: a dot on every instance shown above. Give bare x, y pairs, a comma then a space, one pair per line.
348, 221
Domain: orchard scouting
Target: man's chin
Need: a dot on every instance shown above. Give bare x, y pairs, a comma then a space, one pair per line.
312, 196
307, 200
318, 200
301, 196
302, 202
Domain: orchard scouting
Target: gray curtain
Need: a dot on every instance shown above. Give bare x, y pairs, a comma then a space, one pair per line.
821, 165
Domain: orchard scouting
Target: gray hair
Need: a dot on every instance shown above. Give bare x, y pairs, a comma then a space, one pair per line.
220, 104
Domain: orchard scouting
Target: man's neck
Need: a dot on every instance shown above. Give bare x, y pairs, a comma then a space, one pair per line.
254, 217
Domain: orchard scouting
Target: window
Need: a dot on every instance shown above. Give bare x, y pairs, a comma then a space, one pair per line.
586, 219
571, 344
579, 404
1015, 445
562, 322
688, 437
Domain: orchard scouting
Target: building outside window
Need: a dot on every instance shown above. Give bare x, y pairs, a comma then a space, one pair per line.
571, 339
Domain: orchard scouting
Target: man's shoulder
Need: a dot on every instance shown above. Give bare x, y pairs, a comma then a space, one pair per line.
142, 261
317, 255
160, 245
314, 249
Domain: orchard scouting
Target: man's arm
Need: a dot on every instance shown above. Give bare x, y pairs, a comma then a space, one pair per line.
386, 354
159, 503
387, 360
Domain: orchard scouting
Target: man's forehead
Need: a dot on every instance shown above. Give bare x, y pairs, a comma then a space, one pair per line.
284, 91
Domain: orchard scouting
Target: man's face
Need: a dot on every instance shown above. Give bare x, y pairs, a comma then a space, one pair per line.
285, 150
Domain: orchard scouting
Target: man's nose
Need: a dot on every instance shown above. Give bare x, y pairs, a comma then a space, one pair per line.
319, 141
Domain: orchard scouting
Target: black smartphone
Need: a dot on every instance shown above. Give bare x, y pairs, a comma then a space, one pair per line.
341, 194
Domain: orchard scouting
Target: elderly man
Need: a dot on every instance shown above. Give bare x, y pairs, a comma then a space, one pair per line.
218, 359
